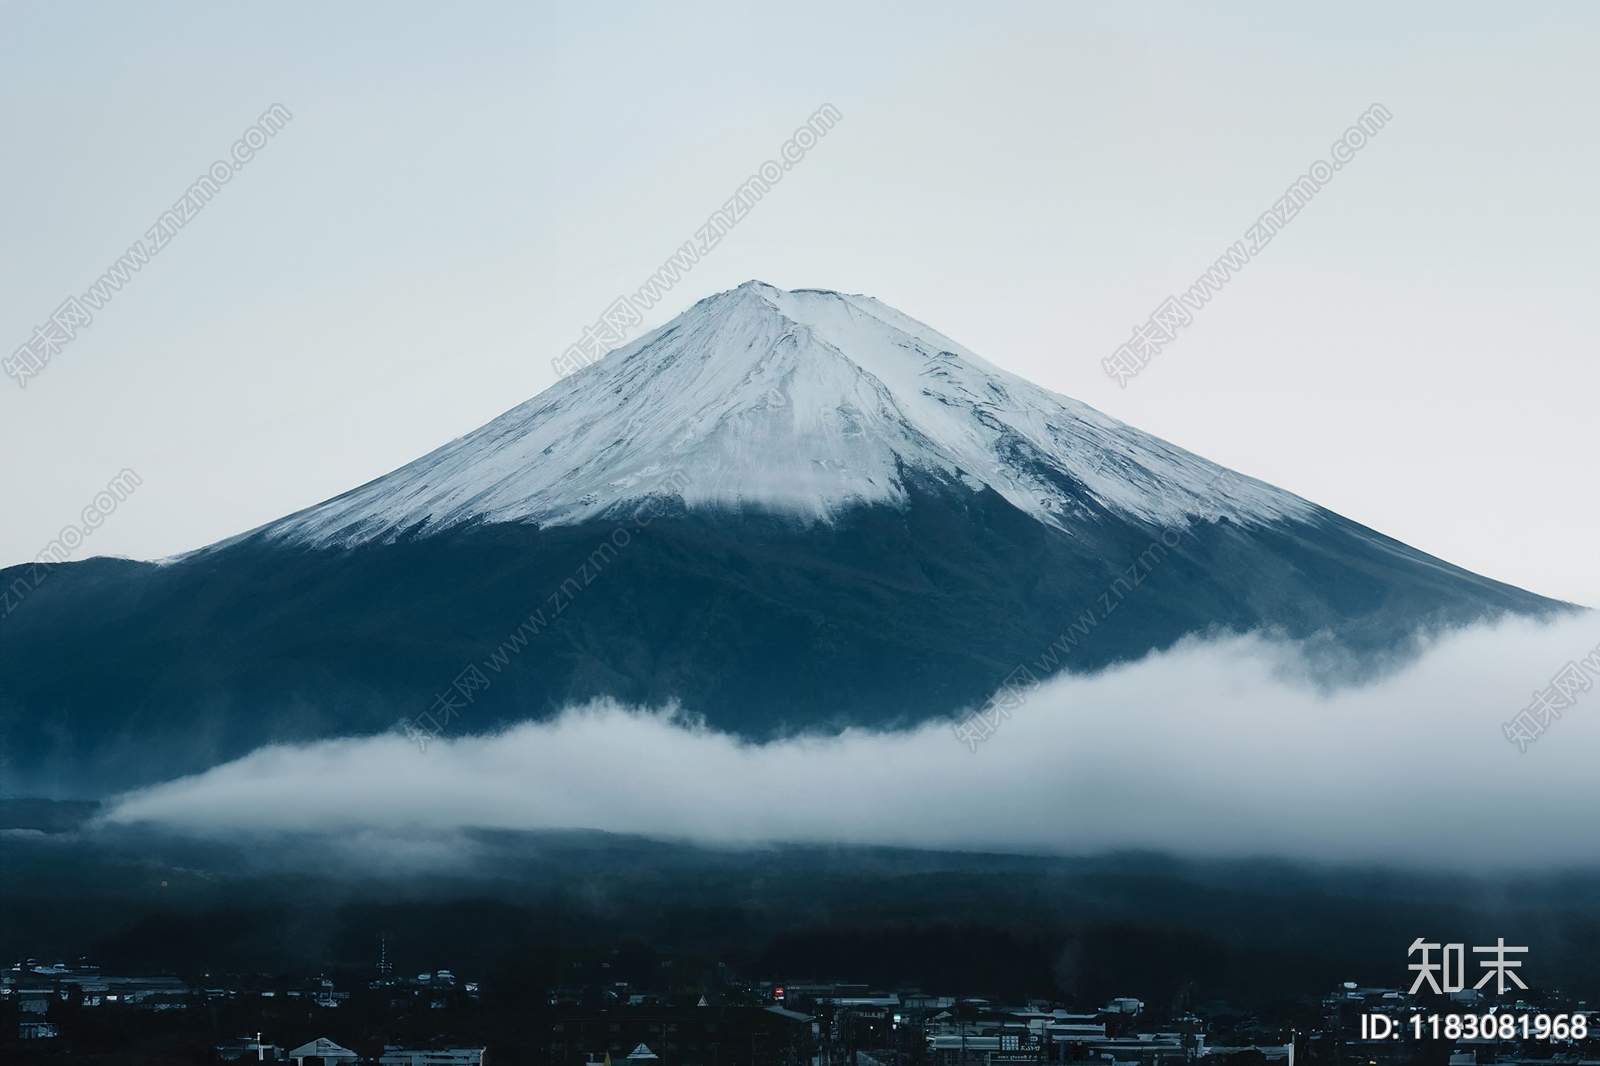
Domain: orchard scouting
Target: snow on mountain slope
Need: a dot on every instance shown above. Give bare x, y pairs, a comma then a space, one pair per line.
802, 402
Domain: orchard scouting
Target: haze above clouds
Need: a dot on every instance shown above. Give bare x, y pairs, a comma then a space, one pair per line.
1217, 748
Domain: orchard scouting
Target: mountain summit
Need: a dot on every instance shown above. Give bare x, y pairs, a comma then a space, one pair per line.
782, 511
808, 403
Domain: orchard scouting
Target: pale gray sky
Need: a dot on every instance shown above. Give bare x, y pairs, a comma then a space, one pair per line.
462, 189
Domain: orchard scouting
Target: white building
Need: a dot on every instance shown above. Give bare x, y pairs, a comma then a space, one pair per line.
398, 1056
324, 1049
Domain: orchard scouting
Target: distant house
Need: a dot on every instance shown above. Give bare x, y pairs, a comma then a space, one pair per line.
792, 1015
252, 1050
36, 1030
1272, 1053
398, 1056
324, 1049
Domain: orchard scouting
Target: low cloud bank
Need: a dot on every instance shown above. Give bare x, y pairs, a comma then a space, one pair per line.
1216, 748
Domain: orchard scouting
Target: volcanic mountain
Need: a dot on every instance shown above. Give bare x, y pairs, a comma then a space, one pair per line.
782, 511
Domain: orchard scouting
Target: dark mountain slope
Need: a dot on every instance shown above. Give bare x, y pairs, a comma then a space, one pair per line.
116, 673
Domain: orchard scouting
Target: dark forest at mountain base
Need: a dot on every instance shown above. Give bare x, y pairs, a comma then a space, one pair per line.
548, 910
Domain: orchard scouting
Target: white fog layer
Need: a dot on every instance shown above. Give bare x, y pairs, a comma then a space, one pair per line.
1212, 749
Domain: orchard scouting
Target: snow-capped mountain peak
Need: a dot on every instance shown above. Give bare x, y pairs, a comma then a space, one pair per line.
803, 402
